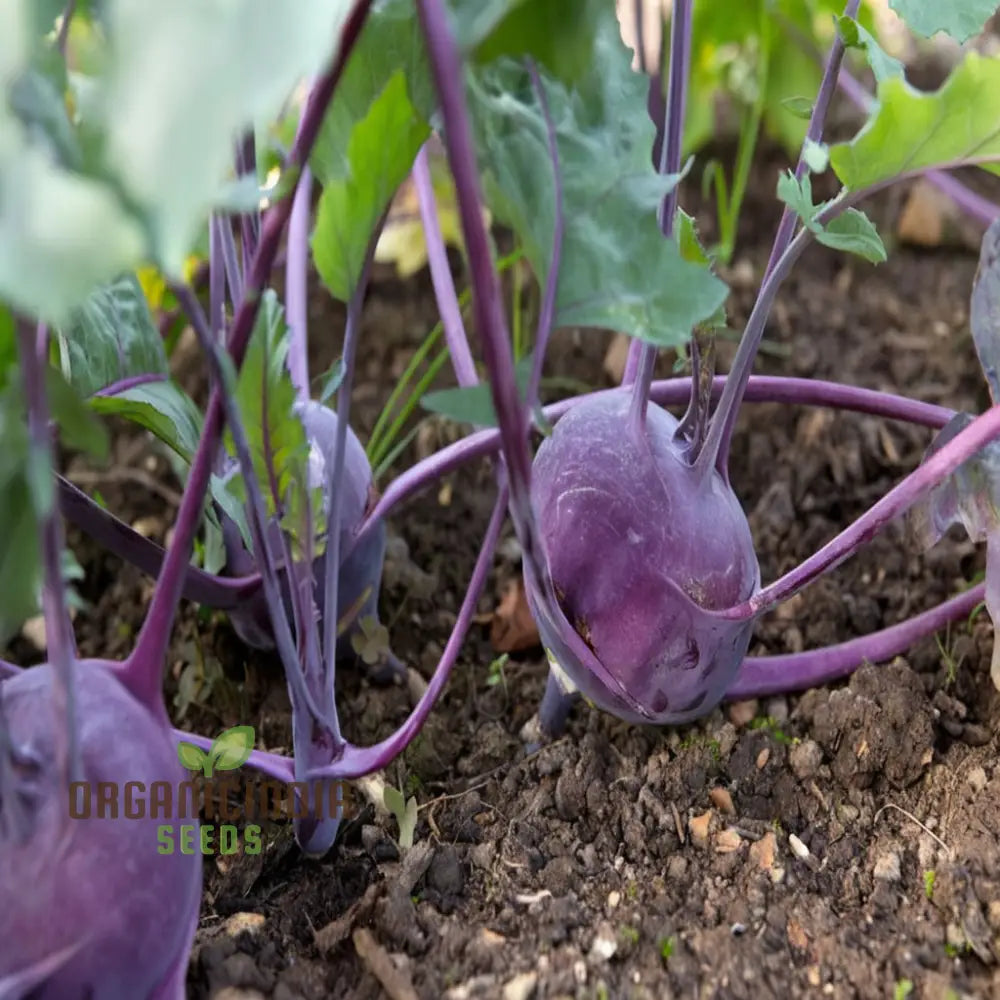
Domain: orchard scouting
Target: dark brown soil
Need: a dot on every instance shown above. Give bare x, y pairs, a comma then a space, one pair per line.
629, 862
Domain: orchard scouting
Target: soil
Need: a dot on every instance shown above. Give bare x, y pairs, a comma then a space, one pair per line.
841, 843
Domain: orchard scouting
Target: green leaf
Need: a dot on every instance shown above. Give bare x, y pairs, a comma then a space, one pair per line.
394, 800
20, 560
110, 337
41, 109
8, 345
184, 77
797, 195
474, 404
332, 380
408, 824
912, 131
79, 428
230, 495
617, 271
275, 434
961, 19
801, 107
380, 153
231, 748
855, 36
391, 42
852, 230
405, 812
162, 408
60, 234
687, 239
191, 757
557, 34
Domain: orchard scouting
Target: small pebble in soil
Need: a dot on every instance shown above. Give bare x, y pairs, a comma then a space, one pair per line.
741, 713
521, 987
698, 828
241, 970
887, 867
977, 778
445, 874
805, 759
378, 845
722, 801
605, 944
727, 841
777, 709
799, 849
240, 923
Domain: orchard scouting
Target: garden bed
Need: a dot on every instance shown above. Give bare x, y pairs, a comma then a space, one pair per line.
623, 861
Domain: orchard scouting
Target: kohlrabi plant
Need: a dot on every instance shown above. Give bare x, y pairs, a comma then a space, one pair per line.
639, 562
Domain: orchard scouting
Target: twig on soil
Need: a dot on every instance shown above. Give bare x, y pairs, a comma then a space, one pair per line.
455, 795
94, 477
396, 983
910, 816
335, 933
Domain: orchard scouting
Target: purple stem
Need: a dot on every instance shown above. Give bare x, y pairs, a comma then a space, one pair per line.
123, 385
223, 228
219, 592
932, 471
9, 669
258, 520
670, 392
334, 556
296, 286
63, 37
216, 277
274, 765
547, 312
643, 356
444, 285
760, 676
142, 670
356, 762
42, 343
975, 205
716, 450
359, 761
246, 163
61, 646
447, 70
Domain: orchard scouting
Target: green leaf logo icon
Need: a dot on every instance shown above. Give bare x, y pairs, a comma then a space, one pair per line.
231, 749
191, 756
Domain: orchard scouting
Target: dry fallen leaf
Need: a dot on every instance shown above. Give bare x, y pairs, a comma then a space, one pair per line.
616, 356
513, 627
930, 218
698, 827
